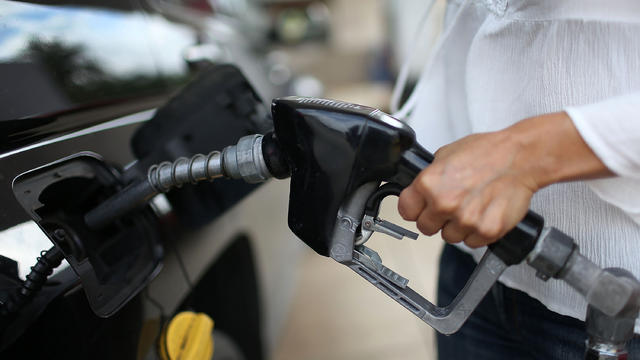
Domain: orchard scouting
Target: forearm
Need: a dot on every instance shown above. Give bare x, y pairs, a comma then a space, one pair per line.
480, 186
550, 149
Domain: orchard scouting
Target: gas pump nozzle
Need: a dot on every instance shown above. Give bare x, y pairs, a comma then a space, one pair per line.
337, 155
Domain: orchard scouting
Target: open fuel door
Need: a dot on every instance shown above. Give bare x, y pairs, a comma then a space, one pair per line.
113, 264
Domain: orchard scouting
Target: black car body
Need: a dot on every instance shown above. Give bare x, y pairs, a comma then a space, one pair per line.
81, 82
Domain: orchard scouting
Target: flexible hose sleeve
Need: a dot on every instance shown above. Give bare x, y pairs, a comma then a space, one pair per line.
35, 280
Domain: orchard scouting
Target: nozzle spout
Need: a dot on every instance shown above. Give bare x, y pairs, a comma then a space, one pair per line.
244, 160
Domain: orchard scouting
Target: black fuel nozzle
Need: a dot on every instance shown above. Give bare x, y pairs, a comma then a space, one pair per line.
332, 148
274, 157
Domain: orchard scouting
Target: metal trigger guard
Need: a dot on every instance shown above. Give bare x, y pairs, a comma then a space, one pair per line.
371, 222
368, 264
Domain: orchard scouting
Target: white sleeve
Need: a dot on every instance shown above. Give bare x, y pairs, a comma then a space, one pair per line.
611, 128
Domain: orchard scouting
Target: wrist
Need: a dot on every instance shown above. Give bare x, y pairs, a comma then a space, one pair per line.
549, 149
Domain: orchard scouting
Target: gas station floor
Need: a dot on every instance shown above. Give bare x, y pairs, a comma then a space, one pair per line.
335, 314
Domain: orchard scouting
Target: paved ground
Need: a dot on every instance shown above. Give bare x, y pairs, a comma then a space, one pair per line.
337, 315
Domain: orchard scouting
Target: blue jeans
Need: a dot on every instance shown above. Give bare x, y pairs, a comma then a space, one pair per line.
508, 324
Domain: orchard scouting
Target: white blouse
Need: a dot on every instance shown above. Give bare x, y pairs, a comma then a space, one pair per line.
500, 61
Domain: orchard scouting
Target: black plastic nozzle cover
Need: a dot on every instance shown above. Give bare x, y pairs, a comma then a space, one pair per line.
331, 148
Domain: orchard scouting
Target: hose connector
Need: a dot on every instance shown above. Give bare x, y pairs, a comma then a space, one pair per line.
245, 161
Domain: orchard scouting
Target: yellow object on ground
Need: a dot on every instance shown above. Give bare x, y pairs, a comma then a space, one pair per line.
188, 336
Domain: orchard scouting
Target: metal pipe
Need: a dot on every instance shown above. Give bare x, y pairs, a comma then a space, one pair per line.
130, 198
241, 161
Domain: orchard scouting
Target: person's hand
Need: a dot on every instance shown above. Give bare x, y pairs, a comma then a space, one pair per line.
475, 191
478, 188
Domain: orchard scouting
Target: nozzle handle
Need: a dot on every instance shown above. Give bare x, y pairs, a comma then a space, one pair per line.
512, 248
412, 162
